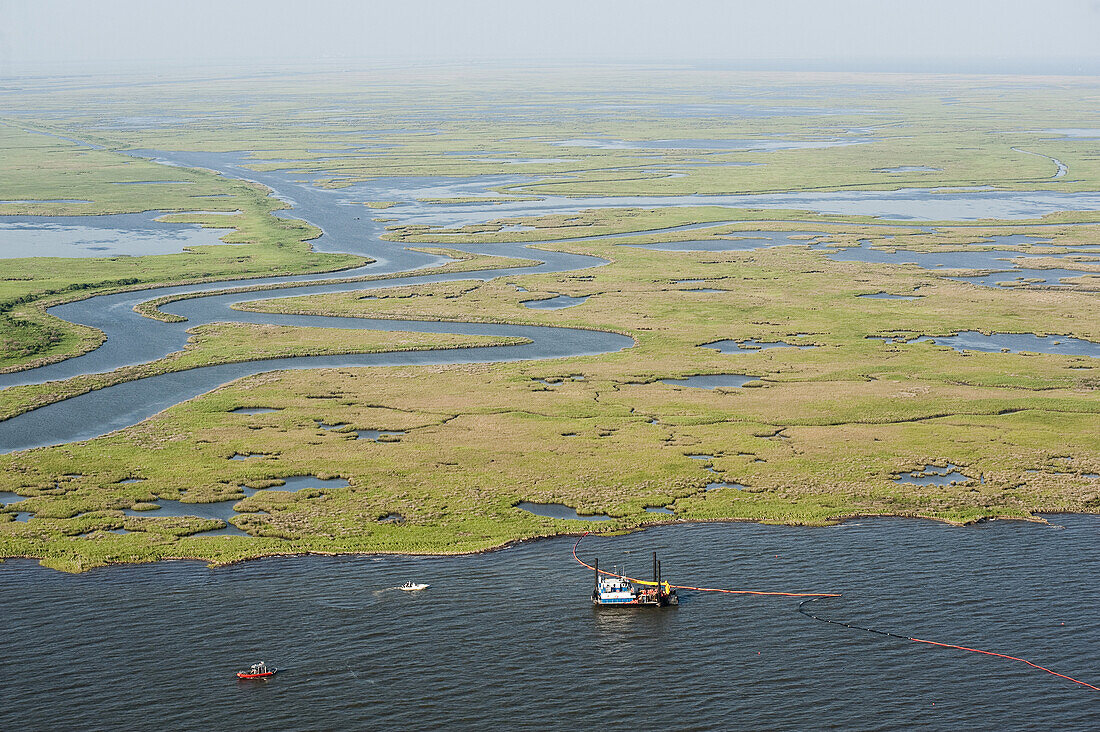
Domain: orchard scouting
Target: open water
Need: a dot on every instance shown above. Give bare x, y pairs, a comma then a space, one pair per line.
510, 640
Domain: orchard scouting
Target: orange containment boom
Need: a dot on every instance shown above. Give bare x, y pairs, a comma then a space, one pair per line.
815, 596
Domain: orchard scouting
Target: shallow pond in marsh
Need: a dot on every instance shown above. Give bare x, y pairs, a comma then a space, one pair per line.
558, 511
99, 236
711, 381
224, 511
554, 303
1008, 342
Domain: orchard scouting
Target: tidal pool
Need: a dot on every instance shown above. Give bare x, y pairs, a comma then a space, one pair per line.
711, 381
716, 486
246, 455
7, 498
100, 236
373, 435
1005, 263
887, 296
744, 241
554, 303
1022, 277
934, 475
970, 340
559, 511
751, 345
223, 510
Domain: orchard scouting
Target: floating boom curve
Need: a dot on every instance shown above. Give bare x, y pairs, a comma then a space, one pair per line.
817, 596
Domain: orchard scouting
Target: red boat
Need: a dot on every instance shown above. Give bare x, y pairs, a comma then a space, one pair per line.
257, 671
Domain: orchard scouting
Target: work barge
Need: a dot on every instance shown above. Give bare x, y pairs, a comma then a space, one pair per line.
616, 590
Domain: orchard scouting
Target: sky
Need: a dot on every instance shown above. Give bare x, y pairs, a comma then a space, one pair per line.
1013, 36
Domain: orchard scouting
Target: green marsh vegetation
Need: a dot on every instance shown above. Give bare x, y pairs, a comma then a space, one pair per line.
40, 167
818, 435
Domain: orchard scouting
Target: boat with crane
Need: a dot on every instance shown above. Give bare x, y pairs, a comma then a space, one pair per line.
617, 590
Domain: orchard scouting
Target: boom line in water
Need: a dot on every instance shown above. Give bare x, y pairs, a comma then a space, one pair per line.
816, 596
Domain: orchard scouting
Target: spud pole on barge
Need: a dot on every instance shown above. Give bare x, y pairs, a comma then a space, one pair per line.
619, 590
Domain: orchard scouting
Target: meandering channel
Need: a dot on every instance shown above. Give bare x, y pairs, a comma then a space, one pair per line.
133, 339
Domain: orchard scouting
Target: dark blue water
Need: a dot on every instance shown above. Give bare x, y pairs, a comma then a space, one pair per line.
510, 639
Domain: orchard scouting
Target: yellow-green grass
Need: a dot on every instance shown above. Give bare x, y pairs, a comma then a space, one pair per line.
461, 262
46, 168
819, 436
816, 437
236, 342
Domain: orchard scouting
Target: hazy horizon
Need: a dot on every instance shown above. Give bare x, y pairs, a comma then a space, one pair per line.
970, 36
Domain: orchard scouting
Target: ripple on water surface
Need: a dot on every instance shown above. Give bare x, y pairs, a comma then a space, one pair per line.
495, 630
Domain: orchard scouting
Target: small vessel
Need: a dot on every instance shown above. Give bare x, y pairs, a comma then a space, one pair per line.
257, 671
617, 590
413, 586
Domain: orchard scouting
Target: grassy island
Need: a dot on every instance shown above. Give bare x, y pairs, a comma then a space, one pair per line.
846, 409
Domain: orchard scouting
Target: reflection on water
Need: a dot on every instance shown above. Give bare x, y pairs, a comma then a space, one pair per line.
554, 303
970, 340
735, 241
711, 381
373, 435
750, 345
224, 510
934, 475
1008, 264
102, 236
7, 498
558, 511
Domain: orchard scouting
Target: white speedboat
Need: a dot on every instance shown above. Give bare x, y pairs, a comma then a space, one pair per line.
413, 586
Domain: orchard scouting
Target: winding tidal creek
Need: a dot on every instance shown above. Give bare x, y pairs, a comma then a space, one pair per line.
511, 636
